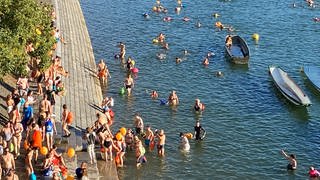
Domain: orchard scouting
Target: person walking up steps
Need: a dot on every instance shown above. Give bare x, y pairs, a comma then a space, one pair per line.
67, 118
49, 128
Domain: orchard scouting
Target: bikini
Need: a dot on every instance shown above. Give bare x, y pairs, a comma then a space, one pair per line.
7, 136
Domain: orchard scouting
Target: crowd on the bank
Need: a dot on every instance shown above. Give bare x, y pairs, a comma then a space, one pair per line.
31, 123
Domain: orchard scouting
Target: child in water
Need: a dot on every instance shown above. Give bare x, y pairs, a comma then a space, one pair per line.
154, 94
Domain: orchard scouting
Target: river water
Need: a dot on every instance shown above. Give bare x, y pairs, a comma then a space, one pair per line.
247, 120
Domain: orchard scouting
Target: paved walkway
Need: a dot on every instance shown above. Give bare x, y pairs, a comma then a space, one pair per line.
83, 88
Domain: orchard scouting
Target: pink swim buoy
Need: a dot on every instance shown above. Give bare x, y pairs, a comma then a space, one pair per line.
134, 70
167, 19
111, 113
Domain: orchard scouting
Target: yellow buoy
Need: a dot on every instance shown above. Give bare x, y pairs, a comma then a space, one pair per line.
155, 41
255, 36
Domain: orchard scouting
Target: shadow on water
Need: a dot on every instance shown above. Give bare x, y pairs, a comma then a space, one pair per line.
299, 112
315, 92
238, 67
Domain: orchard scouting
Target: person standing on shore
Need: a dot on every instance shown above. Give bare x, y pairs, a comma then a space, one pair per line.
45, 105
292, 160
90, 136
28, 161
8, 162
17, 137
49, 129
66, 120
23, 85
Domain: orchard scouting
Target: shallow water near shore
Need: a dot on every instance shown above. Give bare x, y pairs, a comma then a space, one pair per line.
247, 120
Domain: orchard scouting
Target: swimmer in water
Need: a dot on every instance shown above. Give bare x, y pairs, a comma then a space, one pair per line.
198, 106
154, 94
185, 52
146, 15
184, 142
161, 142
186, 19
165, 46
129, 64
205, 61
177, 9
198, 24
210, 54
313, 173
219, 74
167, 19
129, 84
197, 131
161, 56
173, 98
122, 51
161, 37
178, 60
292, 160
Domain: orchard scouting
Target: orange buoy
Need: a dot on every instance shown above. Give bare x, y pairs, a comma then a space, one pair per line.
71, 152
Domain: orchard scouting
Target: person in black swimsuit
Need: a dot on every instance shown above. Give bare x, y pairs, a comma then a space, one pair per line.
198, 106
197, 131
292, 160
